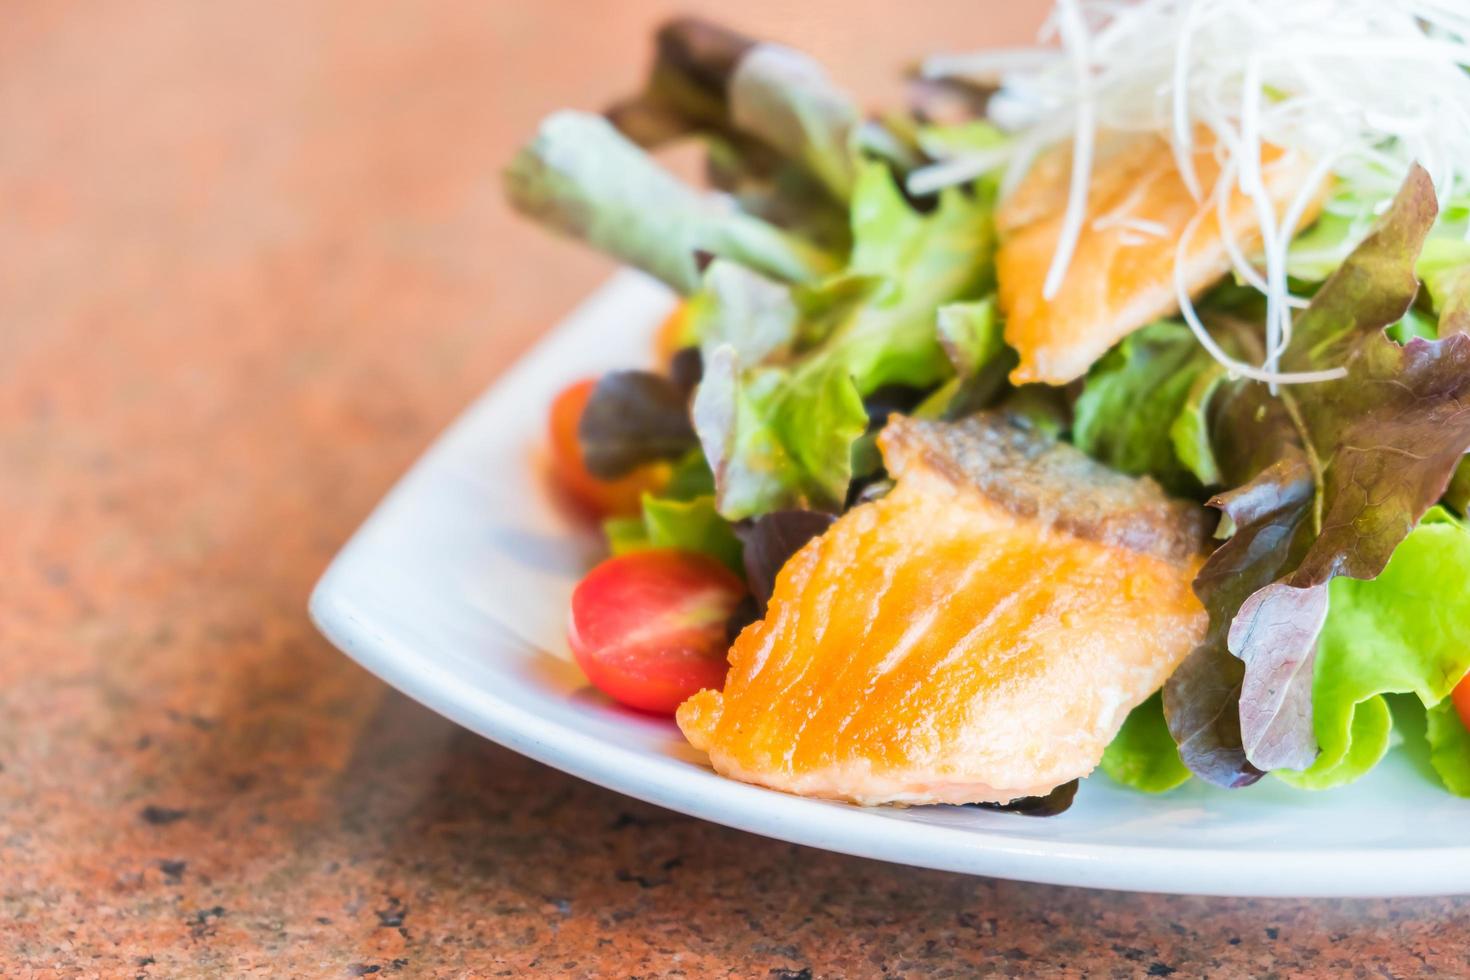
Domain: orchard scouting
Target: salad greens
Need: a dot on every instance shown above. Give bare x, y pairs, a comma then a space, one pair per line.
581, 176
785, 99
782, 401
770, 540
970, 334
633, 418
777, 437
667, 522
713, 82
1449, 747
824, 292
1407, 631
1330, 478
1144, 755
1156, 382
1458, 494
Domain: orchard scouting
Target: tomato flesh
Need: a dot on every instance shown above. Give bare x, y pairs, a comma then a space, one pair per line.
648, 628
601, 498
1461, 698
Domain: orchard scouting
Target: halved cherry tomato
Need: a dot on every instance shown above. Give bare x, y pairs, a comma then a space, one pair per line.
604, 498
648, 628
1461, 697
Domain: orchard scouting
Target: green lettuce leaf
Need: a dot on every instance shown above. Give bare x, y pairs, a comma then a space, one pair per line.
777, 190
580, 176
1458, 494
691, 478
971, 334
692, 525
625, 534
689, 525
756, 316
1142, 408
780, 135
1190, 432
1317, 252
777, 438
1405, 632
892, 137
1039, 407
786, 99
1143, 754
954, 139
1346, 221
1414, 324
1444, 267
1449, 747
778, 420
973, 339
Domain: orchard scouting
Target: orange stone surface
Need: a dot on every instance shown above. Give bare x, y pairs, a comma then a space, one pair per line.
252, 258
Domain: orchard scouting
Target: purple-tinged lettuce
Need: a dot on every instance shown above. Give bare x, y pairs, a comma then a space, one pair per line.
633, 418
780, 134
583, 178
1331, 477
770, 540
1057, 801
1403, 632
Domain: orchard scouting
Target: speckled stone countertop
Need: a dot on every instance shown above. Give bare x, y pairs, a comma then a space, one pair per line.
252, 257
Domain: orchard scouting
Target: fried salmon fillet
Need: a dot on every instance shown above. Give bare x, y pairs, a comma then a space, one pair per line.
977, 635
1121, 276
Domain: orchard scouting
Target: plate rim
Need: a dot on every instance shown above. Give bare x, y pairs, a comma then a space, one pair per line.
1207, 870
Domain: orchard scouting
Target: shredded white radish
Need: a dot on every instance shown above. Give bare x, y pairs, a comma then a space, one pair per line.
957, 170
1148, 229
1359, 88
1191, 317
1074, 36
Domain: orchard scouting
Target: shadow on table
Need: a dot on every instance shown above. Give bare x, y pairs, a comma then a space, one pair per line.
570, 869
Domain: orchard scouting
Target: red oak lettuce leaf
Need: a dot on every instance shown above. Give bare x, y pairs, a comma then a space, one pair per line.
1202, 697
770, 540
1331, 477
634, 418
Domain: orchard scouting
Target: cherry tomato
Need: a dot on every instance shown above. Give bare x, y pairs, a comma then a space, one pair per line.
648, 628
1461, 697
603, 498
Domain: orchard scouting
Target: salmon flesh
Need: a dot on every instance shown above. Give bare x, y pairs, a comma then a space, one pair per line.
1141, 218
977, 635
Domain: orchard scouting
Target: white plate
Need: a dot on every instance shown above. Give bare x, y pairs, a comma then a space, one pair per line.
455, 592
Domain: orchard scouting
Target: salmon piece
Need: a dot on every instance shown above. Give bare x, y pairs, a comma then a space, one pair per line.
977, 635
1121, 276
